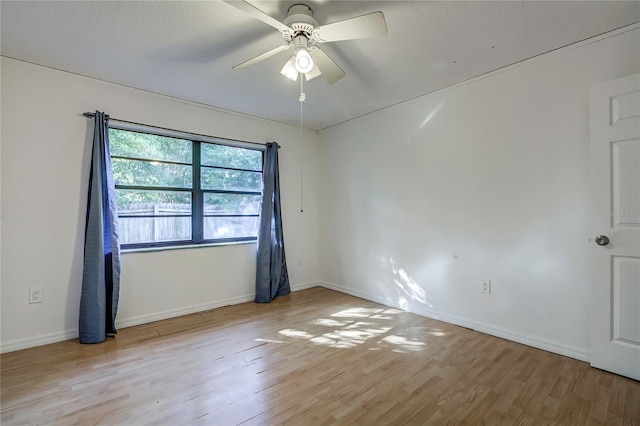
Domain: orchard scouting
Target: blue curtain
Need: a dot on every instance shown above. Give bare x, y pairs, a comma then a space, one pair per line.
272, 279
101, 274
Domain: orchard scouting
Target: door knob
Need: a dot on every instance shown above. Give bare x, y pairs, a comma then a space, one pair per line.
602, 240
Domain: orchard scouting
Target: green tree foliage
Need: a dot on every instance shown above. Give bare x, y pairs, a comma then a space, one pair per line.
234, 180
148, 160
231, 203
228, 156
151, 147
230, 180
142, 167
133, 201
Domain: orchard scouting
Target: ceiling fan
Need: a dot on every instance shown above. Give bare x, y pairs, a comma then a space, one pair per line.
302, 32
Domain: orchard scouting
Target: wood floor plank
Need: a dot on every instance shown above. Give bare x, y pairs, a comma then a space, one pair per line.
315, 357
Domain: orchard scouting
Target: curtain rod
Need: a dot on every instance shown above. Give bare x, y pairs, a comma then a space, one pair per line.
130, 125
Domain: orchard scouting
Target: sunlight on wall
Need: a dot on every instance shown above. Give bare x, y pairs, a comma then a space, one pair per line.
426, 120
406, 287
407, 290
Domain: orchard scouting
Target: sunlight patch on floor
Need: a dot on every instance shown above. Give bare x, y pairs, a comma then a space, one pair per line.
356, 327
269, 340
297, 334
403, 343
330, 322
357, 313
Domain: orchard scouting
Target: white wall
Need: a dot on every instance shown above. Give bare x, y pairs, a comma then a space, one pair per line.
414, 205
45, 153
484, 181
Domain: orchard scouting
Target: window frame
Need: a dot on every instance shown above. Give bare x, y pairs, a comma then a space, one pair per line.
197, 193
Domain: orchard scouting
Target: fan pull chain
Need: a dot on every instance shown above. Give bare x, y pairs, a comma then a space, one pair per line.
302, 98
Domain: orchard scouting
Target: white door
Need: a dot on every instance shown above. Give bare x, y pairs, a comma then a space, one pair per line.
615, 214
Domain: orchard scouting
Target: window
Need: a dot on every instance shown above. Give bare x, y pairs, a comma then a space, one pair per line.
173, 191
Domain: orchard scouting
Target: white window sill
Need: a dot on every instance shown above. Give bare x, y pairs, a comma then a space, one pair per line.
182, 247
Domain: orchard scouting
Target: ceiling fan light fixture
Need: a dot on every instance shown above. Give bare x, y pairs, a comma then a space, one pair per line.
289, 70
303, 61
315, 72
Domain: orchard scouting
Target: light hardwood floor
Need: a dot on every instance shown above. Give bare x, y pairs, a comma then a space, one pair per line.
315, 357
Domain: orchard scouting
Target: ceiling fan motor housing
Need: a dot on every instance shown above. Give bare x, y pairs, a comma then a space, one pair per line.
300, 19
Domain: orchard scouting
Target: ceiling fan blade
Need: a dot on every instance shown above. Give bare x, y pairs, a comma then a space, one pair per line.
250, 9
330, 71
263, 56
369, 25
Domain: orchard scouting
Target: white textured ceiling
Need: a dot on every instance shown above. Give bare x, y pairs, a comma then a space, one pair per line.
186, 49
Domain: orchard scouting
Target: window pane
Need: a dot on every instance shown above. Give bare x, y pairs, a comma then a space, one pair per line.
150, 173
231, 204
147, 203
138, 230
228, 156
152, 147
159, 209
153, 229
230, 227
232, 180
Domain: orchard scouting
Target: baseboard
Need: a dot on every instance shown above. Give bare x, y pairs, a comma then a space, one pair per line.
172, 313
39, 340
186, 310
525, 339
536, 342
304, 286
45, 339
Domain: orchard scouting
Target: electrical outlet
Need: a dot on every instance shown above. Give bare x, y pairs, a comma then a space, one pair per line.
485, 287
35, 295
